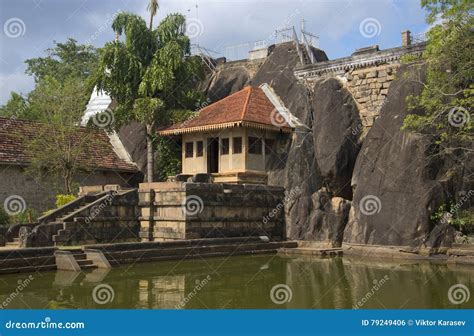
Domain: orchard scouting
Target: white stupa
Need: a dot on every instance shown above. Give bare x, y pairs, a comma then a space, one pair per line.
99, 102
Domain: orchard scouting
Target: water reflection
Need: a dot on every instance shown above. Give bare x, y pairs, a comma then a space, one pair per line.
246, 282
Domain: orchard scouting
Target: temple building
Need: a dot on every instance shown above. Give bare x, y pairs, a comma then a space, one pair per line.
233, 137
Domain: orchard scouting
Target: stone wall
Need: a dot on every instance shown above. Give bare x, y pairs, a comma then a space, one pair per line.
367, 74
40, 195
112, 218
176, 210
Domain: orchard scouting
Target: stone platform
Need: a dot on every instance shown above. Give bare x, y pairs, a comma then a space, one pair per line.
191, 210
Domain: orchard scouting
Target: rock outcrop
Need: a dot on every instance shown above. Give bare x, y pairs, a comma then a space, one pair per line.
336, 128
395, 184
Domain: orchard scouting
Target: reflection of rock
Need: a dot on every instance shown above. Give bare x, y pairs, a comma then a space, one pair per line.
328, 218
394, 170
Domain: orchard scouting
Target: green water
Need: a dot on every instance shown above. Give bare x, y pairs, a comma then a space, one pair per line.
246, 282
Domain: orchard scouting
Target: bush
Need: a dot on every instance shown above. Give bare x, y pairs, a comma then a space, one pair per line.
4, 218
62, 200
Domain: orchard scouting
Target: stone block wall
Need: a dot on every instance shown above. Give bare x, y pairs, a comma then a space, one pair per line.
367, 74
175, 210
369, 87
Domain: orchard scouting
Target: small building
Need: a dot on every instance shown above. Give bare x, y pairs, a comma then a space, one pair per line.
105, 158
233, 137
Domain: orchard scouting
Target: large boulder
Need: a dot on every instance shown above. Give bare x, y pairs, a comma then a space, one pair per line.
336, 126
226, 81
396, 189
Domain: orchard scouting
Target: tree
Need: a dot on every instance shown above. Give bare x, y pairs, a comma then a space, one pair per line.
63, 62
447, 95
59, 148
148, 74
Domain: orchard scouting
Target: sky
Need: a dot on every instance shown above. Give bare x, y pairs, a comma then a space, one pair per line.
226, 27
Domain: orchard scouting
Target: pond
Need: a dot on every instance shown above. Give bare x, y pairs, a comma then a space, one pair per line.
265, 281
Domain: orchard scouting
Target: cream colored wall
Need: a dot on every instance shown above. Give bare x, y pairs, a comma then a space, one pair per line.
194, 165
230, 162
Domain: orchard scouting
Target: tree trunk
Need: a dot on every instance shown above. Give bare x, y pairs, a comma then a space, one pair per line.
149, 153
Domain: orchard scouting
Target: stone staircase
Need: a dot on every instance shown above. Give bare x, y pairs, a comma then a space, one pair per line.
73, 260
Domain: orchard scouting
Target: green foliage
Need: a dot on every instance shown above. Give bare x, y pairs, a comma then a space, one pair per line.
63, 199
168, 150
447, 98
461, 220
57, 146
27, 216
149, 73
4, 217
65, 62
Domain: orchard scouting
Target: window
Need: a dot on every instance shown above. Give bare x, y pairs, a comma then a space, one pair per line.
225, 146
199, 149
237, 144
255, 145
269, 146
189, 149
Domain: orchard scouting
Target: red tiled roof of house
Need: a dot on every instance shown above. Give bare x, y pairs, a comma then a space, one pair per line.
98, 153
248, 107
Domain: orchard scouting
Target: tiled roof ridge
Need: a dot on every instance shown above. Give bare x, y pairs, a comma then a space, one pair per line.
246, 104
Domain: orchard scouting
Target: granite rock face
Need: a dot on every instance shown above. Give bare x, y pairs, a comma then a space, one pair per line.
381, 191
336, 128
395, 184
328, 218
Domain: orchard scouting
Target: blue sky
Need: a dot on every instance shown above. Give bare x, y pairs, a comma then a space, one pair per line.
30, 26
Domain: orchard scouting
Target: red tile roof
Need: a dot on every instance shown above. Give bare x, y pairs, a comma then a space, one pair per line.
99, 153
248, 107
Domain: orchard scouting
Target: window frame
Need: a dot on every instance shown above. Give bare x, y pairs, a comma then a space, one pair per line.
240, 145
225, 149
253, 148
199, 151
188, 154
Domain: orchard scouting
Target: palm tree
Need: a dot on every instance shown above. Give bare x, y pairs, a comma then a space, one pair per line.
152, 8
